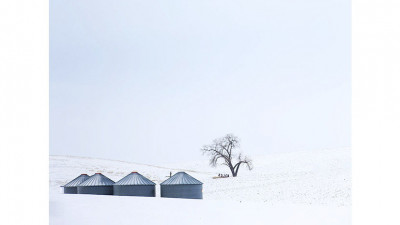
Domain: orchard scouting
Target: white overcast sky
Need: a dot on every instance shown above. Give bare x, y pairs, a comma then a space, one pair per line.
154, 80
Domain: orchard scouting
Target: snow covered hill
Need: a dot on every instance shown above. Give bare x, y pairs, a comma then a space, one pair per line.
296, 185
312, 177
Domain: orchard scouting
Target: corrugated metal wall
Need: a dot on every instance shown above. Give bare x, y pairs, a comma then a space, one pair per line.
70, 190
135, 190
192, 191
96, 190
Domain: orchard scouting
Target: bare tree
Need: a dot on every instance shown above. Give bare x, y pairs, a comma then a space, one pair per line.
222, 150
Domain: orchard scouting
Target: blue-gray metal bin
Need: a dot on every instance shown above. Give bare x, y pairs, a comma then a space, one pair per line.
182, 185
71, 187
98, 184
135, 184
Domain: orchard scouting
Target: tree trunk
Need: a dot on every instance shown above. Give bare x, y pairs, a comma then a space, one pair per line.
235, 171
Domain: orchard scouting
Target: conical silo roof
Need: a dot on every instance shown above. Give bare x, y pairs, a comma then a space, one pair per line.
181, 178
134, 178
97, 179
75, 182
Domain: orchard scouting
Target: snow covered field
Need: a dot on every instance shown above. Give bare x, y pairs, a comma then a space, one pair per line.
310, 187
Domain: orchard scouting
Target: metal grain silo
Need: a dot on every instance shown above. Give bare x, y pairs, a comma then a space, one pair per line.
98, 184
71, 187
135, 184
182, 185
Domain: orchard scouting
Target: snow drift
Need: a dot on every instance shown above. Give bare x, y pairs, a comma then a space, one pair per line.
310, 187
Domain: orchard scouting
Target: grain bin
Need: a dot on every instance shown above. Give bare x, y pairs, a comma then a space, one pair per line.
98, 184
182, 185
71, 187
135, 184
